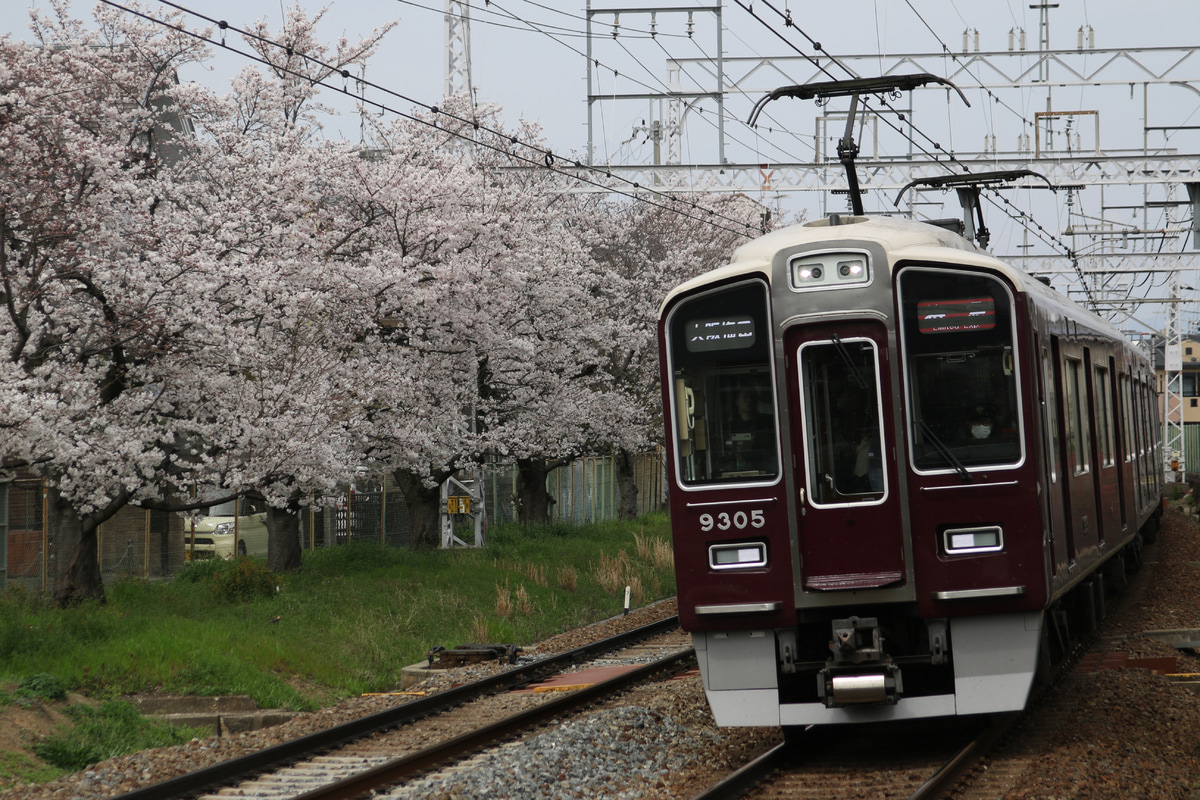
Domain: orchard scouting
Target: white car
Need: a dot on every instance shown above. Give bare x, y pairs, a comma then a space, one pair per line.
219, 532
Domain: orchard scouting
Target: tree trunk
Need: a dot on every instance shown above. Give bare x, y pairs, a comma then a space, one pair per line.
627, 489
76, 560
424, 507
533, 499
283, 536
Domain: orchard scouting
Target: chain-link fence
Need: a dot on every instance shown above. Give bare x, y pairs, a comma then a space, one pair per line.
155, 544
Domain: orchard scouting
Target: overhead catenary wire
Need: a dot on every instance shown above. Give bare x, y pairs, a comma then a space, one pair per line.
734, 84
966, 68
600, 67
639, 33
1021, 217
540, 157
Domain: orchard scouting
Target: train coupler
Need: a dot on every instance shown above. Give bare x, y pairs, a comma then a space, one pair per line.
845, 686
856, 640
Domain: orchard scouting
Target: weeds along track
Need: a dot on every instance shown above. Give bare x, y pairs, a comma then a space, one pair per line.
385, 747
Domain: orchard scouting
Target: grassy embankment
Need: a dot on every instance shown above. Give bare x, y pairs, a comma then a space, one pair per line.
346, 623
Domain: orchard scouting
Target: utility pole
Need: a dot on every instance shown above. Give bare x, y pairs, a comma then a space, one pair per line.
458, 49
461, 496
1044, 61
609, 21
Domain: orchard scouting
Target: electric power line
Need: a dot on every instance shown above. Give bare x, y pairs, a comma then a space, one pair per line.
540, 157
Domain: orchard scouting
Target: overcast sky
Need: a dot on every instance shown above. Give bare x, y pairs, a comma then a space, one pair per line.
529, 57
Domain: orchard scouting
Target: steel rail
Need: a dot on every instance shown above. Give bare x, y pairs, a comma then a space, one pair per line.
961, 762
738, 783
194, 783
394, 771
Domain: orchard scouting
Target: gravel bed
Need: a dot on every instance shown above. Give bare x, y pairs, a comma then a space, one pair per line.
615, 753
1129, 733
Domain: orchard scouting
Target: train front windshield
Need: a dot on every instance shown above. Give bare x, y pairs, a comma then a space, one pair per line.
724, 416
960, 361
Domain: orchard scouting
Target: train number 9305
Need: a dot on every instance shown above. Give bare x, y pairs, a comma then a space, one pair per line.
737, 520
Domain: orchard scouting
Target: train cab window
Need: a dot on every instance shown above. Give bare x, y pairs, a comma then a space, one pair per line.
723, 397
843, 418
957, 332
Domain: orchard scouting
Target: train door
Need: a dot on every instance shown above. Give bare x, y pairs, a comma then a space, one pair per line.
1076, 448
1155, 446
1121, 436
1151, 448
1104, 448
850, 534
1133, 419
1052, 464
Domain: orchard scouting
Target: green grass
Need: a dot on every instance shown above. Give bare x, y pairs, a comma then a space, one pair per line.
347, 622
111, 729
21, 768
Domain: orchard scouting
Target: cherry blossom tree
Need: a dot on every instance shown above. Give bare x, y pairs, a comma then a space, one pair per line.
202, 295
288, 372
170, 317
485, 302
646, 249
88, 332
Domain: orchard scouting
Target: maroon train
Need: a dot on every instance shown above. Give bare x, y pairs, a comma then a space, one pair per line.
903, 474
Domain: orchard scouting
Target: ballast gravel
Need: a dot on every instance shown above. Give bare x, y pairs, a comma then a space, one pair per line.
616, 753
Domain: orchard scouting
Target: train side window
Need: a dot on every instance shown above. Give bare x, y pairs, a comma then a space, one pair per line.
1049, 402
961, 367
1077, 431
723, 401
1104, 416
1128, 425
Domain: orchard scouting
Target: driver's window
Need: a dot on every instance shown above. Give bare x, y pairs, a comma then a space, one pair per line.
961, 365
722, 388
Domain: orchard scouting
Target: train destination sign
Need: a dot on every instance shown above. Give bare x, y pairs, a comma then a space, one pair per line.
722, 333
948, 316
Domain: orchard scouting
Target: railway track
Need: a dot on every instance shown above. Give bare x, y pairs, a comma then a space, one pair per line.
919, 761
916, 760
352, 758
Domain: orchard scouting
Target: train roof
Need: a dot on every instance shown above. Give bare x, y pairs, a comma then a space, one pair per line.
903, 240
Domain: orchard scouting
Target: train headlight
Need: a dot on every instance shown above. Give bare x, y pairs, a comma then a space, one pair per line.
737, 556
973, 540
829, 271
851, 270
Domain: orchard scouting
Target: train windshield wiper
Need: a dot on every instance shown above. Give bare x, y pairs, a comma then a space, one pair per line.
845, 354
951, 459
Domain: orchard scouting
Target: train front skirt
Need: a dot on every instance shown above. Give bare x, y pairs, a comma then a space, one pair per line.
994, 660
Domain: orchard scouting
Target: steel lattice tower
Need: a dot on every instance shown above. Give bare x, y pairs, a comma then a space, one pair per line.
458, 48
